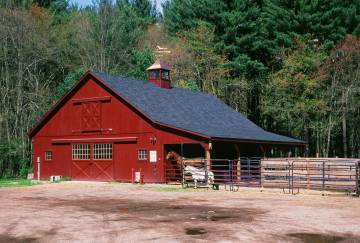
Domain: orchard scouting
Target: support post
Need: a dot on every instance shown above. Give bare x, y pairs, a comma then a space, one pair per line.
238, 164
263, 150
208, 158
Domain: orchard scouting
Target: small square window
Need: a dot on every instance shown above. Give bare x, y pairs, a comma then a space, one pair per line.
142, 154
48, 155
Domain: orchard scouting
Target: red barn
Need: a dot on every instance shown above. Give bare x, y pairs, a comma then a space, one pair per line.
107, 127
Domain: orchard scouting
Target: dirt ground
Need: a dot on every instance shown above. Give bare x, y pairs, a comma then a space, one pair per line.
114, 212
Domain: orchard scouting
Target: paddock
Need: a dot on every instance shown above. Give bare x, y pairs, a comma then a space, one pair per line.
289, 174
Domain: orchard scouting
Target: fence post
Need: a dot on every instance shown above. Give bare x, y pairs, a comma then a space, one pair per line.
206, 174
262, 173
323, 176
38, 168
289, 177
357, 178
182, 173
229, 176
292, 177
248, 170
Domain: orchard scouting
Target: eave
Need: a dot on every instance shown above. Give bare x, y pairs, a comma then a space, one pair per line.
234, 140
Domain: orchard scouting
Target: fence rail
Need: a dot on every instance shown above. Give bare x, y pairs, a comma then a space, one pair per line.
291, 175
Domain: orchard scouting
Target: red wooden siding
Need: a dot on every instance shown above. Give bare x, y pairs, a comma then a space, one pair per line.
94, 115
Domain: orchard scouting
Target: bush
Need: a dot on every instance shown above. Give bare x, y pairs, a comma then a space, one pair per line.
12, 162
66, 178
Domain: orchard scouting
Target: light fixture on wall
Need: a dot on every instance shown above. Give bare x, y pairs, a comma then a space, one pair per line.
153, 140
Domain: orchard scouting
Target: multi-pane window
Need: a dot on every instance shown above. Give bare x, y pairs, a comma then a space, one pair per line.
48, 155
165, 74
154, 74
142, 154
80, 151
102, 151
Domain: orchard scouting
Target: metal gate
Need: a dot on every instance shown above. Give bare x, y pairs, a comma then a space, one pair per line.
291, 175
173, 172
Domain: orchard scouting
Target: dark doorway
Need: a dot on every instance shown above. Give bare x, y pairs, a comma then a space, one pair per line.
173, 170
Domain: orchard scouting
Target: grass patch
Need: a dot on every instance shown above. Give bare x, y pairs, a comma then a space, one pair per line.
17, 182
173, 188
159, 187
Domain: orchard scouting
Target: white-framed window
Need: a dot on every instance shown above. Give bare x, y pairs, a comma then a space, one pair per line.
102, 151
48, 155
142, 154
81, 151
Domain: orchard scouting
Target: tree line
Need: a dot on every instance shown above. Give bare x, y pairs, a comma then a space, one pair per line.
290, 66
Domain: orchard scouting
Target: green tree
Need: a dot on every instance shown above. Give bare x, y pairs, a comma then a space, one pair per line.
140, 61
252, 34
107, 35
294, 100
201, 64
341, 73
28, 60
145, 9
68, 83
180, 15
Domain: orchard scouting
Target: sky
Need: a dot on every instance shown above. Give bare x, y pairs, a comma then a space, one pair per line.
84, 3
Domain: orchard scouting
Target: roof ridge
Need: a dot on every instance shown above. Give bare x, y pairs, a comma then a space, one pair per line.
195, 111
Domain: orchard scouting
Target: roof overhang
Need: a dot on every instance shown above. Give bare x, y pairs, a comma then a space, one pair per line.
234, 140
158, 65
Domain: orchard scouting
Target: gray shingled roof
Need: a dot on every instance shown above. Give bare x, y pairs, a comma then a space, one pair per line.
193, 111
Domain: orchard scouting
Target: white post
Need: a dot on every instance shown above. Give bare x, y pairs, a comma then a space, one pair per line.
238, 164
38, 169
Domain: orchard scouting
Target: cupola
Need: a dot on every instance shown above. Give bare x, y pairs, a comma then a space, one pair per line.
159, 74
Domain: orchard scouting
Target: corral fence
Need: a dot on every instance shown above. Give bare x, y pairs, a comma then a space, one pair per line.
291, 175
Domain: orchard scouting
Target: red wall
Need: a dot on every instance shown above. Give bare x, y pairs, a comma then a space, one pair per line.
115, 115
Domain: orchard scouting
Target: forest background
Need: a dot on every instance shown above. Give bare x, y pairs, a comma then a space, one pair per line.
292, 67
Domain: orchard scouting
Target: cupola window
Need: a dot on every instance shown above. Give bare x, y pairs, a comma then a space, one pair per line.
159, 74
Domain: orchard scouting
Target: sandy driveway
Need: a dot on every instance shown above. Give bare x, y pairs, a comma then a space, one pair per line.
112, 212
